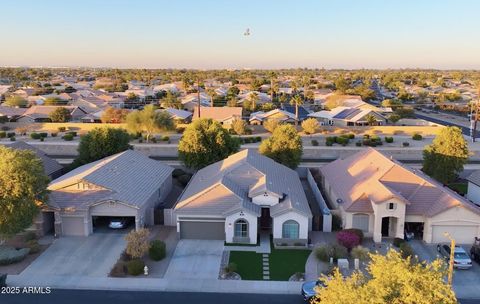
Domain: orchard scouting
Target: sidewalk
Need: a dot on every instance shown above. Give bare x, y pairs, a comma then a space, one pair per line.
156, 284
264, 246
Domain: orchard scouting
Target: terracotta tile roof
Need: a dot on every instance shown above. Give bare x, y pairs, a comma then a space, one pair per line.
371, 174
218, 113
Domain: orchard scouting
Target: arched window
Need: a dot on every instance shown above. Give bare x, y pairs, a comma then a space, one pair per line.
290, 229
241, 228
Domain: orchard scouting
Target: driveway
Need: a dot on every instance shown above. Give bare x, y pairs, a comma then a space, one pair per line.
91, 256
465, 282
196, 259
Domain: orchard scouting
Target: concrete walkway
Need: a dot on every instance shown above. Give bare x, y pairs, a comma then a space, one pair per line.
264, 246
156, 284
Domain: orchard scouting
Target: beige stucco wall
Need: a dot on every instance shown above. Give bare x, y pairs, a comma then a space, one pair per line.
252, 225
302, 220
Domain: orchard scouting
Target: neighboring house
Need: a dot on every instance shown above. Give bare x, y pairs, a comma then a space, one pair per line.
43, 223
302, 111
224, 115
11, 113
127, 184
242, 195
180, 116
190, 101
172, 87
262, 97
344, 116
383, 198
473, 192
257, 118
41, 113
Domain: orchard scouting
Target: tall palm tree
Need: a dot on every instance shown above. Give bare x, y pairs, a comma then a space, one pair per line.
272, 75
297, 101
254, 99
211, 92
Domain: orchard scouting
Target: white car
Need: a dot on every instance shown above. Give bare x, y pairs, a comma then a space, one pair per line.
461, 260
117, 223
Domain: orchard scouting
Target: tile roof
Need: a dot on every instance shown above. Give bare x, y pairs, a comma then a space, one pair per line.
227, 186
50, 166
11, 111
130, 176
370, 174
218, 113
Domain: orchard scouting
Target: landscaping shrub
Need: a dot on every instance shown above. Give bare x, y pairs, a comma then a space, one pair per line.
42, 139
357, 232
29, 236
314, 142
328, 143
135, 267
54, 134
33, 246
322, 253
366, 136
348, 239
118, 270
165, 138
258, 139
406, 250
10, 255
358, 144
327, 251
61, 129
248, 131
184, 179
73, 133
177, 172
406, 144
388, 139
231, 267
35, 135
351, 136
68, 137
10, 134
417, 136
342, 140
397, 242
43, 134
3, 134
12, 138
153, 140
157, 250
3, 280
361, 253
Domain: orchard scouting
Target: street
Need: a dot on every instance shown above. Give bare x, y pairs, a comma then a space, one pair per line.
121, 297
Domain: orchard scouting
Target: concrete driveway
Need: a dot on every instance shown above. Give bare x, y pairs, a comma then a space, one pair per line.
91, 256
465, 282
199, 259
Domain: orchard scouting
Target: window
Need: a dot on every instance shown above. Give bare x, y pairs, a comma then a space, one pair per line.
391, 206
290, 230
241, 228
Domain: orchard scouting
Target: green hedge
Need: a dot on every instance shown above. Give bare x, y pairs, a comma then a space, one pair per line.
135, 267
10, 255
157, 250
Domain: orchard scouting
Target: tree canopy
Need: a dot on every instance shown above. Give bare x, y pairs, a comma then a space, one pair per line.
284, 146
447, 154
205, 142
15, 101
100, 143
23, 185
149, 121
113, 115
60, 114
310, 126
389, 279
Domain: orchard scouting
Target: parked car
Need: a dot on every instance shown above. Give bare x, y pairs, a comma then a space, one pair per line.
308, 290
461, 260
118, 223
475, 250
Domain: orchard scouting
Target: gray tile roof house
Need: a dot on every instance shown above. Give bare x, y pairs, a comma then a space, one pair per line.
245, 182
51, 167
125, 184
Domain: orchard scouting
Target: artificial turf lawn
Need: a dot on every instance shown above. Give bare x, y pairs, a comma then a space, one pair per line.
249, 264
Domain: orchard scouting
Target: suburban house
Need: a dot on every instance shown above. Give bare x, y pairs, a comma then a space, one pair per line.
383, 198
257, 118
262, 98
237, 198
41, 113
473, 192
224, 115
344, 116
180, 116
302, 111
190, 101
128, 184
11, 113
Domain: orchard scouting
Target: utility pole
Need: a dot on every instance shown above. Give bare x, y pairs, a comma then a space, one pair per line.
452, 257
198, 96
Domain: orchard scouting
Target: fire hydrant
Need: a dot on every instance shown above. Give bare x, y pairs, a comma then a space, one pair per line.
145, 270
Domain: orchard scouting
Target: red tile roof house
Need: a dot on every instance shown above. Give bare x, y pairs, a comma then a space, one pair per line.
224, 115
41, 113
382, 197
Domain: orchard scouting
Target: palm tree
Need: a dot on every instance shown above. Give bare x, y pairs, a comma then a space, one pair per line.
211, 92
254, 99
297, 101
371, 119
272, 76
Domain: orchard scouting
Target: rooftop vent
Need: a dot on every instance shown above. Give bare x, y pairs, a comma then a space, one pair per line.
339, 201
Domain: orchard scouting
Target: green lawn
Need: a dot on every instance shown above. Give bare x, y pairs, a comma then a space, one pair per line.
459, 187
249, 264
285, 262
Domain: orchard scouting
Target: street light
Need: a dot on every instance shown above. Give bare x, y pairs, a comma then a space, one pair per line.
452, 256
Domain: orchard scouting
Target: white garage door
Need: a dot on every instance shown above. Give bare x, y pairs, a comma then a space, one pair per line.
461, 234
73, 226
360, 221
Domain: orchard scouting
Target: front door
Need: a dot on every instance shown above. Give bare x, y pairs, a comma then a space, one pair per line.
265, 219
385, 226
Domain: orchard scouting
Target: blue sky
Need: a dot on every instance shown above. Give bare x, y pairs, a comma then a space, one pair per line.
209, 34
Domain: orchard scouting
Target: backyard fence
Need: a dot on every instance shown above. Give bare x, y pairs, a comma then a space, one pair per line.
327, 215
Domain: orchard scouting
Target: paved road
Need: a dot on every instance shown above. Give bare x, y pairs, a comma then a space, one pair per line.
123, 297
465, 130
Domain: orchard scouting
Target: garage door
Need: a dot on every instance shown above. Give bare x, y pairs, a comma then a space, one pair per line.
202, 230
360, 221
73, 226
461, 234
